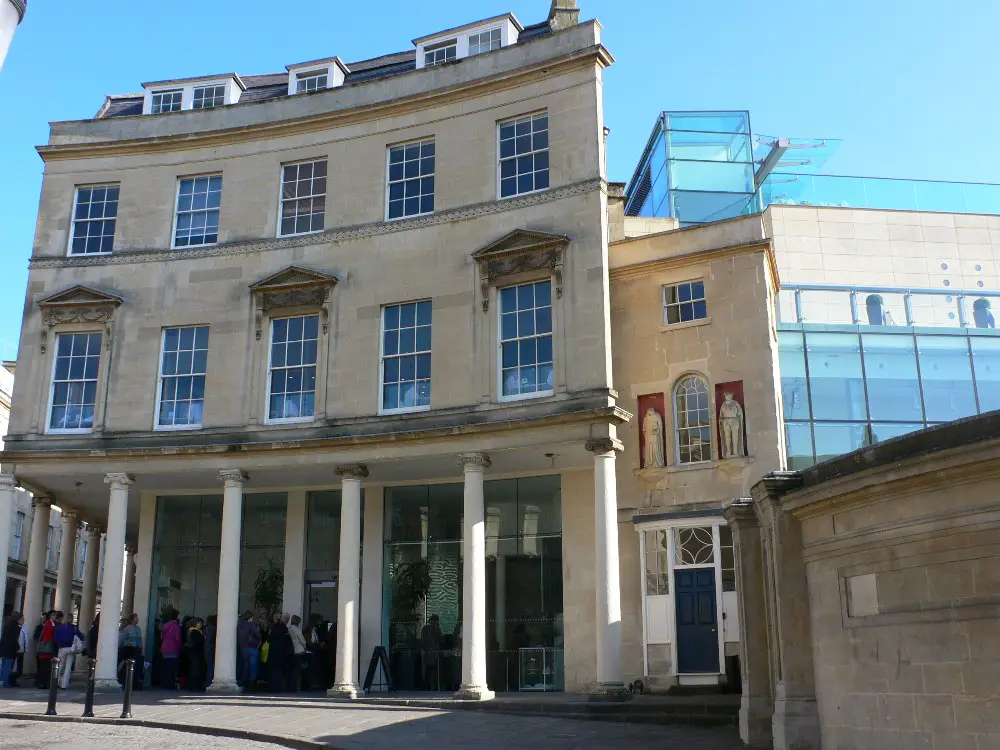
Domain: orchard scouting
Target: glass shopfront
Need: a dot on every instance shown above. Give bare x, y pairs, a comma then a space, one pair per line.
422, 585
842, 390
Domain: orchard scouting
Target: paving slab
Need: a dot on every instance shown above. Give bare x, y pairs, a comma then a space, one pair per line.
351, 726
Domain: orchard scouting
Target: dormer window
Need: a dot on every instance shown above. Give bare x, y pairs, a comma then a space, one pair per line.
467, 41
441, 53
191, 93
209, 96
316, 75
166, 101
484, 41
312, 81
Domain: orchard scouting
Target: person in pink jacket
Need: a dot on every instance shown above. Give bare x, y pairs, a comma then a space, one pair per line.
170, 649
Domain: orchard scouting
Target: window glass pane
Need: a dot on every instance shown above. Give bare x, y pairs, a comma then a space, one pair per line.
692, 420
833, 439
946, 377
323, 531
891, 374
794, 386
303, 197
798, 440
74, 383
835, 379
886, 431
526, 339
198, 202
986, 359
293, 371
411, 179
94, 220
523, 146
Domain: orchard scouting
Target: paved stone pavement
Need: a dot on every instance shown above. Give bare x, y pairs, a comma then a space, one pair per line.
45, 735
365, 727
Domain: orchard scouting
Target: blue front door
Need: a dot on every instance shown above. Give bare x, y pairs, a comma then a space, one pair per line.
697, 621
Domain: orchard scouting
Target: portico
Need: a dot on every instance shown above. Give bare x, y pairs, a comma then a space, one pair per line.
197, 530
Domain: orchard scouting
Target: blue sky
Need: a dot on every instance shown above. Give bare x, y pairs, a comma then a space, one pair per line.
910, 85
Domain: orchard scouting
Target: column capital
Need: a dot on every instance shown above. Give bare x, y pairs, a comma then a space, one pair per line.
351, 471
41, 501
8, 481
117, 480
604, 445
474, 461
69, 515
233, 477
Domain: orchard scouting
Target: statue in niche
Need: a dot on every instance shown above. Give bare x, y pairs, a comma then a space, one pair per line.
652, 437
731, 427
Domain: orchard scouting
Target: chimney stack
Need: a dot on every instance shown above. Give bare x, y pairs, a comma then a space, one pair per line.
563, 14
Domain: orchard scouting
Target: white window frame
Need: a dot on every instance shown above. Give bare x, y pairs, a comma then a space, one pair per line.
73, 219
500, 341
547, 149
281, 196
676, 425
441, 46
19, 518
159, 382
381, 358
308, 75
204, 87
388, 183
177, 198
693, 300
267, 386
499, 32
49, 430
161, 93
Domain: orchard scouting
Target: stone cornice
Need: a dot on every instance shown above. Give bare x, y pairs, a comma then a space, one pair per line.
479, 87
358, 231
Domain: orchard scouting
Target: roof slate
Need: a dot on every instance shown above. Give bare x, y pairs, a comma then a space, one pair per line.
273, 85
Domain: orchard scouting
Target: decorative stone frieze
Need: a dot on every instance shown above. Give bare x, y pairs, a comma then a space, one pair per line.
519, 251
293, 287
78, 304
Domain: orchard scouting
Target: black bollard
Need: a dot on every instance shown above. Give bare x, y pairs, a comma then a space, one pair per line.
53, 687
127, 704
88, 705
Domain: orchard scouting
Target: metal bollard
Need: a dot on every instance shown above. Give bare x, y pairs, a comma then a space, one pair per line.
127, 704
88, 705
53, 687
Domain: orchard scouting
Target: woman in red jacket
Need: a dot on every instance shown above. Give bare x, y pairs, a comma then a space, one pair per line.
47, 649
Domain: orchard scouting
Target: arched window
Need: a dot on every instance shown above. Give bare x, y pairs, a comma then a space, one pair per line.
692, 420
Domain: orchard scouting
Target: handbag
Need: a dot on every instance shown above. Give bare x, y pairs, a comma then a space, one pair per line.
77, 645
47, 648
264, 651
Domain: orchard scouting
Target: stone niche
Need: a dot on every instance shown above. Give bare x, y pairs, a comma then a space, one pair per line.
725, 414
652, 426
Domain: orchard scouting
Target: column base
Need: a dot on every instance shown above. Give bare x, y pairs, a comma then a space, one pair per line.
474, 693
796, 724
755, 720
223, 686
610, 692
343, 691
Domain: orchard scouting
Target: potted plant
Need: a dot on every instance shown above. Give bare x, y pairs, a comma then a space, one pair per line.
411, 582
269, 589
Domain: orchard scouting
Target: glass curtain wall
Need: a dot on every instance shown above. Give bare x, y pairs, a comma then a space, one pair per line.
422, 585
323, 559
842, 391
263, 537
185, 571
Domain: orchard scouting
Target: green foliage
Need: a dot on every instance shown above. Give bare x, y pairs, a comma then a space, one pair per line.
269, 589
411, 581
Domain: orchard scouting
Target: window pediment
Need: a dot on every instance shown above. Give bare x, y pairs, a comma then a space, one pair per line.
293, 287
519, 251
78, 304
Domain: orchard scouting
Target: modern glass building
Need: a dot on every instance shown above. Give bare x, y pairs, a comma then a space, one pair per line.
863, 365
700, 167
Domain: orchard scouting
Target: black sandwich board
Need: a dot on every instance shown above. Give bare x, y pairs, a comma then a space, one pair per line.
379, 656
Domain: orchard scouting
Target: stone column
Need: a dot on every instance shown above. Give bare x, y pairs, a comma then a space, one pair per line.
35, 584
88, 602
8, 486
756, 706
345, 684
610, 686
114, 560
229, 579
128, 597
67, 562
795, 723
474, 685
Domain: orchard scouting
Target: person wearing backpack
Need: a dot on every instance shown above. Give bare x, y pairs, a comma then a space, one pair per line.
248, 640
